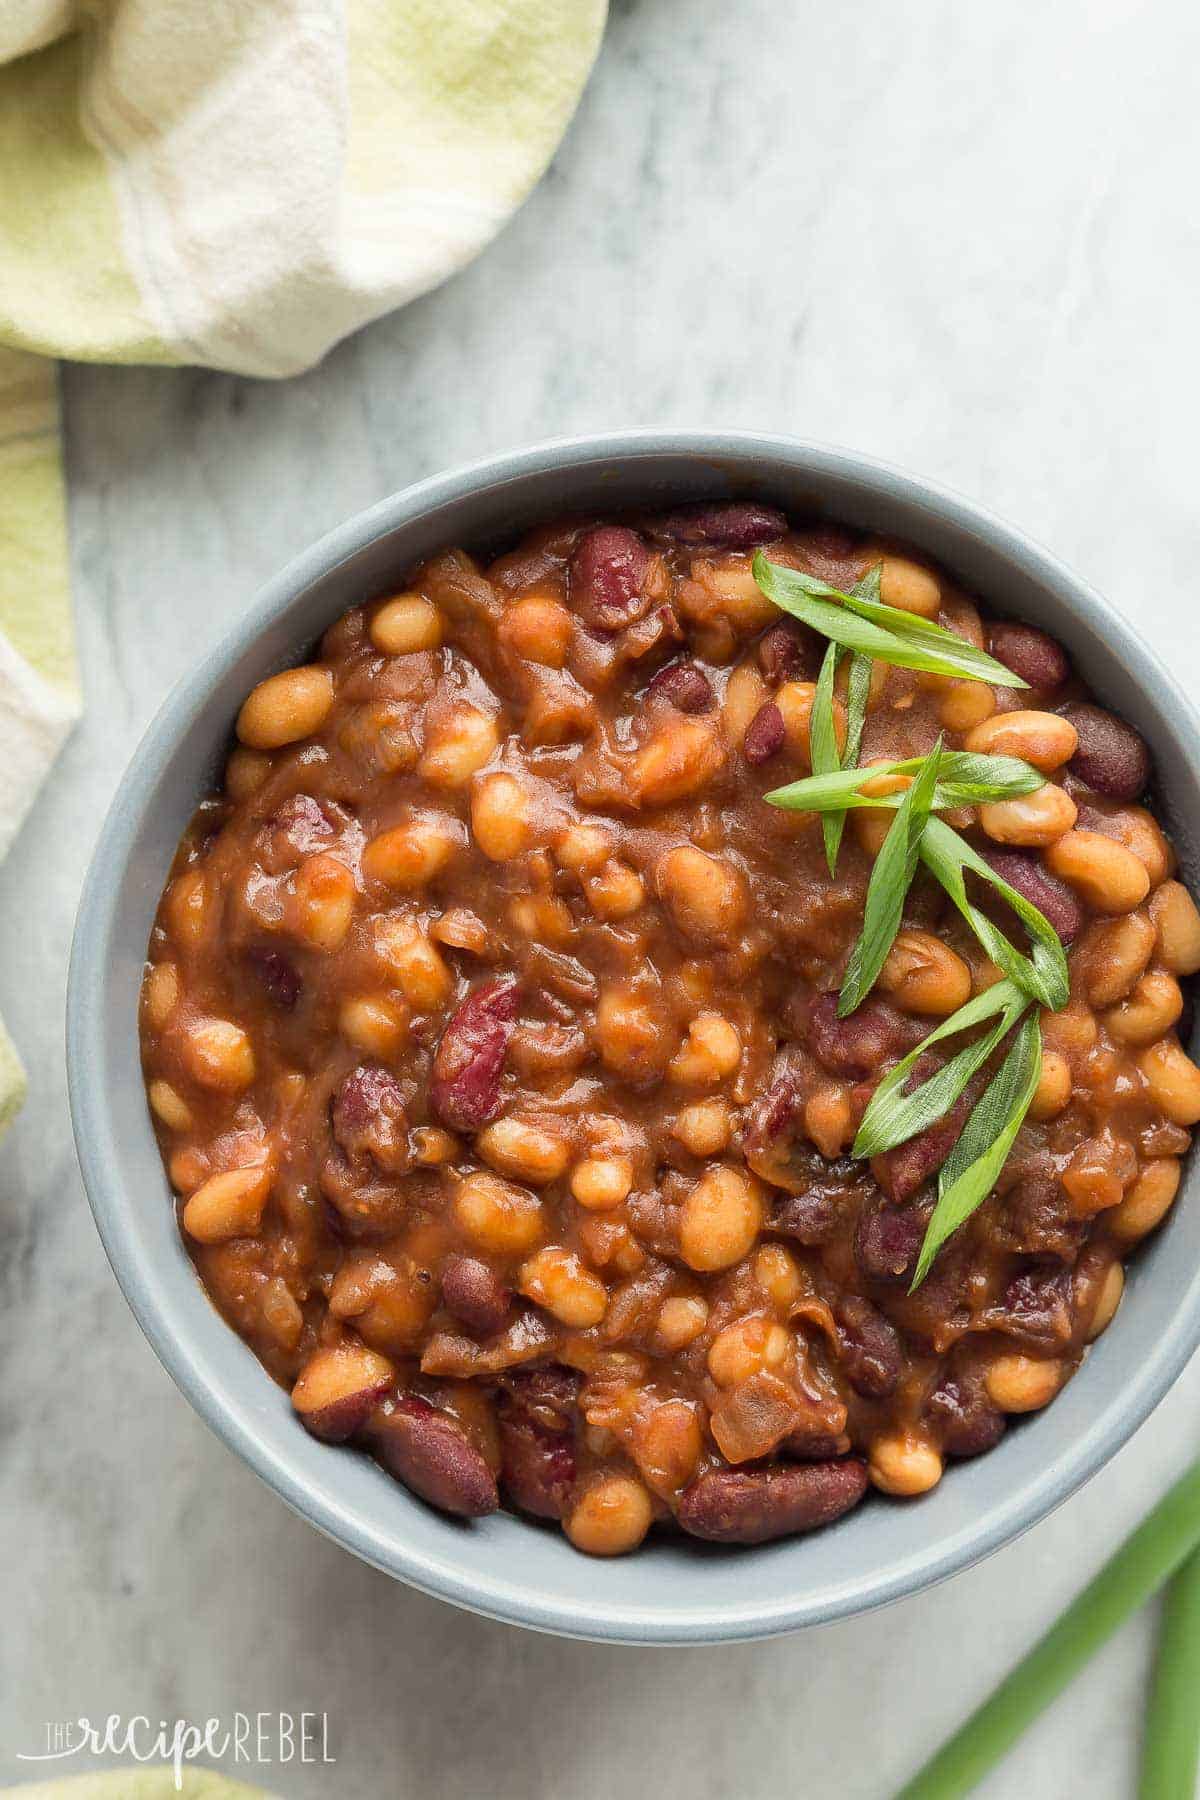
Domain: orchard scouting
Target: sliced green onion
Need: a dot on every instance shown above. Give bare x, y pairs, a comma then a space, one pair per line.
882, 632
858, 692
823, 750
914, 630
964, 779
1043, 974
1150, 1556
822, 732
891, 878
972, 1169
892, 1117
869, 586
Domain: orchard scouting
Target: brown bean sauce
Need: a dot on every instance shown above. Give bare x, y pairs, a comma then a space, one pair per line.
489, 1035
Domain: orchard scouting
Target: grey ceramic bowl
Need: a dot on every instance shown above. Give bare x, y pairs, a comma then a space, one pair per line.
670, 1592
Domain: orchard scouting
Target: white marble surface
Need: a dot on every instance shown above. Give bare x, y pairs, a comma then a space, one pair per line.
959, 236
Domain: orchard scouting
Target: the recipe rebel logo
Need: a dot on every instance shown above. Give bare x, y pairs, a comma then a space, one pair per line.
260, 1739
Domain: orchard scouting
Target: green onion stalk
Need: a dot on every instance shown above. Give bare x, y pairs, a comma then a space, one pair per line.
1171, 1746
1159, 1547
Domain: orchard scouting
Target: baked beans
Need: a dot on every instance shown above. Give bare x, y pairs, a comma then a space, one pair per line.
490, 1037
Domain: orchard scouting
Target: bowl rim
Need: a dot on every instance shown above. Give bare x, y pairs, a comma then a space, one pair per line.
498, 1597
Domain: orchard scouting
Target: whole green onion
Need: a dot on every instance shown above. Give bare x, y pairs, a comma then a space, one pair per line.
1171, 1746
1138, 1569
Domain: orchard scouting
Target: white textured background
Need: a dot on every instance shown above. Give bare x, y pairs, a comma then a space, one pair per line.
961, 236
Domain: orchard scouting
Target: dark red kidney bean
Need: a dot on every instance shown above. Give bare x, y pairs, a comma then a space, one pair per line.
464, 1089
968, 1423
1032, 654
654, 1222
789, 651
475, 1294
946, 1294
718, 525
537, 1437
887, 1239
769, 1138
537, 1465
608, 567
775, 1148
1036, 1218
277, 975
1034, 881
342, 1418
804, 1446
900, 1172
777, 1110
830, 553
740, 1506
926, 903
1036, 1307
765, 736
859, 1045
868, 1347
431, 1454
811, 1218
822, 1195
549, 1392
686, 687
301, 827
370, 1120
1111, 758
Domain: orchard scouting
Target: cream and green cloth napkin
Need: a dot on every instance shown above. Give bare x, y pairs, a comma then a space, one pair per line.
138, 1784
238, 184
39, 686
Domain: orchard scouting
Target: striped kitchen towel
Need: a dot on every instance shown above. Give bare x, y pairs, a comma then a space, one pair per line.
39, 687
138, 1784
239, 184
